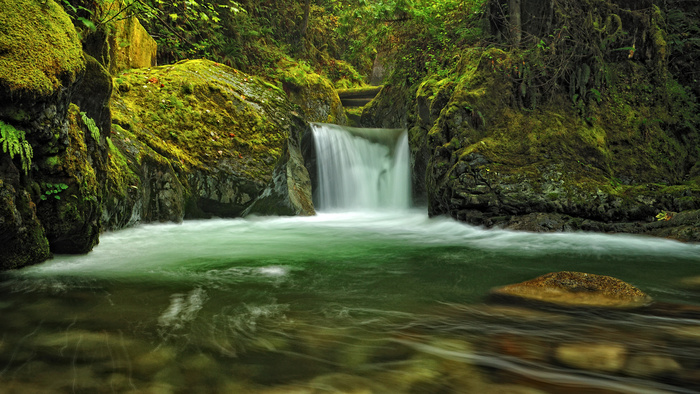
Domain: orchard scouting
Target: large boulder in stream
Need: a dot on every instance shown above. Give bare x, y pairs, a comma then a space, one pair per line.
575, 289
53, 161
200, 139
610, 146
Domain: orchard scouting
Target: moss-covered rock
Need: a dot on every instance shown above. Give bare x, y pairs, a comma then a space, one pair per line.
130, 46
194, 139
575, 289
53, 206
93, 92
21, 234
289, 193
68, 192
314, 95
39, 49
481, 157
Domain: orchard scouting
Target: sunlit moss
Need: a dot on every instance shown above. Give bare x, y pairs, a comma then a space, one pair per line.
198, 112
39, 48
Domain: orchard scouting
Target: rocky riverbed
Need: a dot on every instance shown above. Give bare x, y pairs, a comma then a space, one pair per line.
49, 345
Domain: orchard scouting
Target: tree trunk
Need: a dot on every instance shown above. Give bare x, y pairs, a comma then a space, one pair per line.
515, 22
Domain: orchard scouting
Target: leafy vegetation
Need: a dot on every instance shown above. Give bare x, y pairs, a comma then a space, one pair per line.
52, 190
14, 143
92, 127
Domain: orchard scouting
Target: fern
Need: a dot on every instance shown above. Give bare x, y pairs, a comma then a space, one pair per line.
94, 130
14, 143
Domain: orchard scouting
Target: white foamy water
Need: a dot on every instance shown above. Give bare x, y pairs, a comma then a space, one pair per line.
361, 168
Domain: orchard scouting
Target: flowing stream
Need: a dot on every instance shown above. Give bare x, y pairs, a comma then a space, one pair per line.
368, 296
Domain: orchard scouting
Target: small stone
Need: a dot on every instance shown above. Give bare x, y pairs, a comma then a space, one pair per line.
685, 333
651, 365
592, 357
76, 344
692, 282
576, 289
340, 383
510, 389
149, 363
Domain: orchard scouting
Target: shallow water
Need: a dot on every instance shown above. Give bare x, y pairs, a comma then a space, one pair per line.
375, 301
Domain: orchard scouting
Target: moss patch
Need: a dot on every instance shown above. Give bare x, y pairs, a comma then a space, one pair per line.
39, 48
197, 113
315, 96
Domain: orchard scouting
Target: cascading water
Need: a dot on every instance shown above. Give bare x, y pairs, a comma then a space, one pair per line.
361, 169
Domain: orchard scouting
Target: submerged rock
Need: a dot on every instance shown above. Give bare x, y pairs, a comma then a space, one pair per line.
345, 384
576, 289
652, 365
691, 282
599, 357
78, 344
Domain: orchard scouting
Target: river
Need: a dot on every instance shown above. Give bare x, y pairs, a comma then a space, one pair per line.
371, 299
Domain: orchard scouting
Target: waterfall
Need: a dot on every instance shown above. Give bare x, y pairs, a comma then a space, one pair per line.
361, 169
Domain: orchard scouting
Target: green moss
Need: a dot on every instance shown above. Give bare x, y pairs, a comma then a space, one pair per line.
196, 113
74, 162
119, 173
39, 48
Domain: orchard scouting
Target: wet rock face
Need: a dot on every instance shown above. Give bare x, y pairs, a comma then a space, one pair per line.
199, 139
315, 97
289, 192
69, 186
575, 289
21, 234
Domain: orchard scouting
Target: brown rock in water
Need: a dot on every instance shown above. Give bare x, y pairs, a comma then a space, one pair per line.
601, 357
576, 289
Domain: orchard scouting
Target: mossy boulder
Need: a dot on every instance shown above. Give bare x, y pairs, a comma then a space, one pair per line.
315, 96
496, 165
290, 191
39, 49
575, 289
194, 139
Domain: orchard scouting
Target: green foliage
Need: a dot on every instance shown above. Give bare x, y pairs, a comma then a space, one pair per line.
14, 143
424, 37
92, 127
52, 190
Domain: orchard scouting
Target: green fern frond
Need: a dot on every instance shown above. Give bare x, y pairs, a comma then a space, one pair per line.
94, 130
14, 143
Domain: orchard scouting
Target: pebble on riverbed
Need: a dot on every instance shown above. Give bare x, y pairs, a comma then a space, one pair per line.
575, 289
